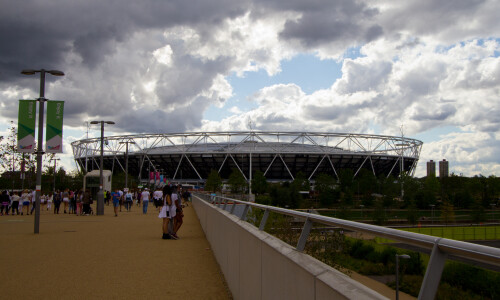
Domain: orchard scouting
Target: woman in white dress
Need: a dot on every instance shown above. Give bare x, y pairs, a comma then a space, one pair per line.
165, 211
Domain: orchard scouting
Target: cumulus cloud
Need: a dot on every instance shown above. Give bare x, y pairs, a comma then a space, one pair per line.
158, 66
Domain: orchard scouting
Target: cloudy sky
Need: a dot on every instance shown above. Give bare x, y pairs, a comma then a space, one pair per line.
153, 66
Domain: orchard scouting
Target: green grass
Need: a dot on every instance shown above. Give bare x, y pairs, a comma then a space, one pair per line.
460, 233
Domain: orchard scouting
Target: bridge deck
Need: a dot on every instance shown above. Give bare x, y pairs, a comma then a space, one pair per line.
103, 257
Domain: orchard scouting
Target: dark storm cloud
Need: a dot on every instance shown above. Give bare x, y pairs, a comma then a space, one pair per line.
36, 34
324, 22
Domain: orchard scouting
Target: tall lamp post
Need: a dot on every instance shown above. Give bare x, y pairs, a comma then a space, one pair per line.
126, 160
39, 153
55, 168
405, 256
100, 194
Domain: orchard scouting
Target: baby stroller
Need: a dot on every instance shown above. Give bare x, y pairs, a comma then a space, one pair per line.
87, 210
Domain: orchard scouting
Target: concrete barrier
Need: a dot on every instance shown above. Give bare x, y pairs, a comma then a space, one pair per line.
257, 265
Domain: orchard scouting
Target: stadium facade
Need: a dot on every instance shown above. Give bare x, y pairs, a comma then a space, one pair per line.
189, 157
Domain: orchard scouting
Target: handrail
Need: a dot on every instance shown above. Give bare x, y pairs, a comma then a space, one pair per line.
440, 247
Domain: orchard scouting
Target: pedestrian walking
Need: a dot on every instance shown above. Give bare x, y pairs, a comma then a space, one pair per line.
145, 200
25, 198
128, 200
86, 201
15, 202
57, 201
4, 202
65, 199
165, 212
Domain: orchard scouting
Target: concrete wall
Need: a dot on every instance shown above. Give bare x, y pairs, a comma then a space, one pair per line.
257, 265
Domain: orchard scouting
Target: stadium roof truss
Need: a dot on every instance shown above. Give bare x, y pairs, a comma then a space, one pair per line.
279, 155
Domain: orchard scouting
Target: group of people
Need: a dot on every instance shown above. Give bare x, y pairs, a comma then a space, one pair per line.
171, 211
73, 202
167, 200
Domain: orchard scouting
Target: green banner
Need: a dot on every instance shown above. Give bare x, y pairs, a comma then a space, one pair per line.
26, 126
54, 126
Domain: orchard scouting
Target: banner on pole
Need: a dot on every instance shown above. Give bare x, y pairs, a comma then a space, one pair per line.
54, 141
26, 126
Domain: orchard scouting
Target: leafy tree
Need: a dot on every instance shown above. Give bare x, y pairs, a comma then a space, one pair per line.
379, 215
325, 186
447, 212
346, 178
301, 183
214, 182
259, 183
237, 182
366, 183
285, 195
412, 214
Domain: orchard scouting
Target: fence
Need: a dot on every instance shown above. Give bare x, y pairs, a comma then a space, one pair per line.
440, 247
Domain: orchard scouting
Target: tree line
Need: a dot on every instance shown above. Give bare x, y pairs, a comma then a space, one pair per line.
366, 190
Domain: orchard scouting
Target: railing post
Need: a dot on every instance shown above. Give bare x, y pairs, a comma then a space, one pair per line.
225, 204
304, 235
233, 207
433, 273
264, 220
244, 214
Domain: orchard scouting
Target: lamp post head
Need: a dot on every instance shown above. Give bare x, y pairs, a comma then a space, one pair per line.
32, 72
405, 256
109, 122
28, 72
56, 72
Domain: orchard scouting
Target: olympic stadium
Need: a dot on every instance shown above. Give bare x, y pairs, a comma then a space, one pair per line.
280, 156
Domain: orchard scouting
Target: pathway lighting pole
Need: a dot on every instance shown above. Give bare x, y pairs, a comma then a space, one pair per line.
493, 211
126, 160
432, 213
55, 166
100, 194
39, 153
405, 256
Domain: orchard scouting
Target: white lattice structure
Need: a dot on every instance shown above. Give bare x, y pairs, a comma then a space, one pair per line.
279, 155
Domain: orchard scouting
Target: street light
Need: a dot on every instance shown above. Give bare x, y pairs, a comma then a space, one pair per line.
100, 194
39, 152
432, 213
402, 167
55, 164
405, 256
493, 211
126, 160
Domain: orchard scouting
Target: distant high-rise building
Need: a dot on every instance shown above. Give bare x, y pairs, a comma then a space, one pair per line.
443, 168
431, 168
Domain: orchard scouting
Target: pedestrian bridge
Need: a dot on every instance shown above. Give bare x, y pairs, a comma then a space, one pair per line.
256, 265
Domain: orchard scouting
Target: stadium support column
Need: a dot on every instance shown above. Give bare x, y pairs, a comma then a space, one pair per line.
250, 181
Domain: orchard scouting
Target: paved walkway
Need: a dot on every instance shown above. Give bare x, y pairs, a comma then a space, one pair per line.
106, 257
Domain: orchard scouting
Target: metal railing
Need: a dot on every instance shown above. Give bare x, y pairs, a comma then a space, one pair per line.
440, 247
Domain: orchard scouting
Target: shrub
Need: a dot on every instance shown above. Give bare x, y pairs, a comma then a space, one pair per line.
479, 281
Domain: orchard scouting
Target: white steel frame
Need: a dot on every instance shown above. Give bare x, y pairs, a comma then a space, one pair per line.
248, 142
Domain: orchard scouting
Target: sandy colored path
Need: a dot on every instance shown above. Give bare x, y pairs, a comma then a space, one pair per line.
106, 257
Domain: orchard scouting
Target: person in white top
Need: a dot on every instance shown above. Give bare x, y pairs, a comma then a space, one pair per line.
165, 212
173, 212
145, 200
15, 202
128, 200
25, 197
121, 199
158, 198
